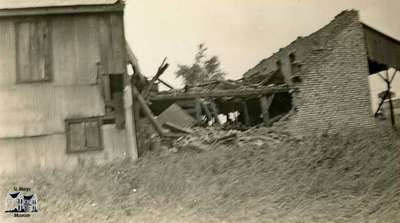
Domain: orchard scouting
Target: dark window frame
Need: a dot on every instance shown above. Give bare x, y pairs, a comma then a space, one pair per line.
48, 53
99, 121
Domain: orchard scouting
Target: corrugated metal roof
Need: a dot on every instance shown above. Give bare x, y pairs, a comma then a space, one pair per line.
19, 4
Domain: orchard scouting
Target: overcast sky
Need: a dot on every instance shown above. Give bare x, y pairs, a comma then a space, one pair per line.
240, 32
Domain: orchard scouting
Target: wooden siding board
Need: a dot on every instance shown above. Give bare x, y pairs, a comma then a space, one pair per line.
105, 43
40, 109
23, 58
32, 47
77, 44
112, 44
73, 91
80, 101
76, 50
118, 44
8, 54
24, 155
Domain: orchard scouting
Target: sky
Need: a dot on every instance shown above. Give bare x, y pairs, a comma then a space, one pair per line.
239, 32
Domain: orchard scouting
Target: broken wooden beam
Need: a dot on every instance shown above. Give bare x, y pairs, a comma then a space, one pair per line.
135, 66
221, 93
165, 83
160, 71
147, 111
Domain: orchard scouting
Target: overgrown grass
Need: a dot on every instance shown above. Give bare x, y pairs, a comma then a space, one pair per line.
324, 179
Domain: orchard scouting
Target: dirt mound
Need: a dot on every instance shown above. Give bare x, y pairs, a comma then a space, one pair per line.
260, 176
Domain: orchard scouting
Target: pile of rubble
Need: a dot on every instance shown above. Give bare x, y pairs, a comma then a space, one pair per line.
205, 139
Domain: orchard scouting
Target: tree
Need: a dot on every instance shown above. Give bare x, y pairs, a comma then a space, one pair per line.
203, 69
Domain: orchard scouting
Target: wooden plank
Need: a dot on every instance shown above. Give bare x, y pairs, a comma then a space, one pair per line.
118, 7
104, 37
33, 47
147, 111
175, 114
76, 137
87, 48
118, 48
221, 93
112, 44
8, 60
76, 49
23, 57
177, 128
165, 83
160, 71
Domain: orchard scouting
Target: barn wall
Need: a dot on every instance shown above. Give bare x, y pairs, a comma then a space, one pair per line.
25, 155
32, 115
83, 48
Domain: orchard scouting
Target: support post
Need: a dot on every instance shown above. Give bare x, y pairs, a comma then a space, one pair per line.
245, 111
198, 110
214, 111
160, 71
130, 123
206, 110
265, 103
391, 106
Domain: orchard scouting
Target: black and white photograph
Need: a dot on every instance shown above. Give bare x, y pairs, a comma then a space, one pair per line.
200, 111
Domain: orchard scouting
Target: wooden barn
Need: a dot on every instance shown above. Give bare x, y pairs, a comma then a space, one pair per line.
65, 100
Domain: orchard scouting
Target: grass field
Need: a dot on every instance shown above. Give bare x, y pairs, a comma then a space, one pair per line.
353, 178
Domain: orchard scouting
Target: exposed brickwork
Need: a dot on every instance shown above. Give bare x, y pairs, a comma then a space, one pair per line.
333, 95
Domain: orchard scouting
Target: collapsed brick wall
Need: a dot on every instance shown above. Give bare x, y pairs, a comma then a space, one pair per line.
333, 95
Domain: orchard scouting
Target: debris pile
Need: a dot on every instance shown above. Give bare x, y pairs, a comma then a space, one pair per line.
205, 139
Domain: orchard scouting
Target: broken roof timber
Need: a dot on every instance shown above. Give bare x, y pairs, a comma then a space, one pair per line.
221, 93
72, 9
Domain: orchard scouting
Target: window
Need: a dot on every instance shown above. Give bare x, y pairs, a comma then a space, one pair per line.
32, 51
84, 134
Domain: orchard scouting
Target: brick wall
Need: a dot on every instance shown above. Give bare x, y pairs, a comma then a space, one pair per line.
333, 95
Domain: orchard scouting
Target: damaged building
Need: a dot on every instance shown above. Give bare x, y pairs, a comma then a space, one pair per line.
317, 84
328, 71
68, 98
62, 85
